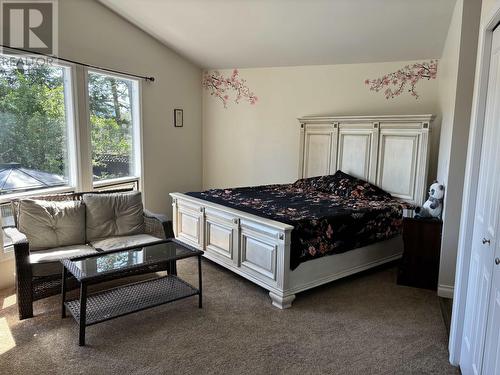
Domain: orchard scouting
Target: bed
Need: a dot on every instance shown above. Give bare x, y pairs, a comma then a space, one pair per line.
342, 216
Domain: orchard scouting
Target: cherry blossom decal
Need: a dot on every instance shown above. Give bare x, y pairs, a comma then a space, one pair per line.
220, 87
395, 83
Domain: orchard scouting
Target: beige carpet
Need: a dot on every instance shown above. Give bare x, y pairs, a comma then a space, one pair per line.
364, 324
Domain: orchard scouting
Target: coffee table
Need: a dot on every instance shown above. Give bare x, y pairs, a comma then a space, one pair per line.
125, 299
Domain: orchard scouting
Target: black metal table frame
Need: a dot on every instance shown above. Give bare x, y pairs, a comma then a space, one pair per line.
168, 265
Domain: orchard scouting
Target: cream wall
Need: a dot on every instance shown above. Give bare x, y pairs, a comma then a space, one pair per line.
455, 101
251, 145
91, 33
448, 89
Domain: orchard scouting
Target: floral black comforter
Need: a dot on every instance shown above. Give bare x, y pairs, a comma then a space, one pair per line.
330, 214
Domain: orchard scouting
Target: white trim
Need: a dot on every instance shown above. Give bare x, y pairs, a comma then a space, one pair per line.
6, 253
140, 145
84, 155
81, 126
116, 181
33, 193
471, 180
445, 291
71, 128
76, 147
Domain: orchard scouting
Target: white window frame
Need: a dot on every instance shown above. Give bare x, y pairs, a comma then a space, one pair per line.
137, 145
7, 253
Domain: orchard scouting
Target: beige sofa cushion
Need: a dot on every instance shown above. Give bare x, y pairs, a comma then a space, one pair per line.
114, 214
49, 224
47, 262
121, 242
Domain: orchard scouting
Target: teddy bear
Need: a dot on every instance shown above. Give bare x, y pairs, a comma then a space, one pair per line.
433, 206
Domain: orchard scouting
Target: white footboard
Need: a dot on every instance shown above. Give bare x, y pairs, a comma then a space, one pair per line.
259, 249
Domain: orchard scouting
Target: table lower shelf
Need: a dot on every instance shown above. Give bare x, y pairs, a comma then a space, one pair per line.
123, 300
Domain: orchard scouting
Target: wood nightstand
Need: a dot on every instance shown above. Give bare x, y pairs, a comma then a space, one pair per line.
422, 246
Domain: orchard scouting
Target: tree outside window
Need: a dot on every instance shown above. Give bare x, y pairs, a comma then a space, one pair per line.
111, 120
33, 127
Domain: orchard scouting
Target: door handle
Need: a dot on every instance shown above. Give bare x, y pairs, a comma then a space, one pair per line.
497, 261
485, 241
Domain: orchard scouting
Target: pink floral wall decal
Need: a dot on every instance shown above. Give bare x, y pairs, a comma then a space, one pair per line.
395, 83
221, 86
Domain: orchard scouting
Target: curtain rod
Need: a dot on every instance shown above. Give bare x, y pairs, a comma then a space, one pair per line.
146, 78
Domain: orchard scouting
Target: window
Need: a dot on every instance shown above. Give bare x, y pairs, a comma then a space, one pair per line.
35, 126
114, 126
39, 147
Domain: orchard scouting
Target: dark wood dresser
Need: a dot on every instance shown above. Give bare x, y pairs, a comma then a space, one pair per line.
419, 266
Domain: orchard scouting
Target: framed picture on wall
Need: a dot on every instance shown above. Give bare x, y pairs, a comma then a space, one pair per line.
178, 118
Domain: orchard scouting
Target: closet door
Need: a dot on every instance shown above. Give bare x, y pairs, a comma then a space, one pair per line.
320, 148
491, 359
478, 311
491, 364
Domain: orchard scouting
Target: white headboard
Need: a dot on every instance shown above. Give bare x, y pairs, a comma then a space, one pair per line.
391, 152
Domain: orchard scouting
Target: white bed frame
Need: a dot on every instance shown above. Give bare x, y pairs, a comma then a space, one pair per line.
389, 151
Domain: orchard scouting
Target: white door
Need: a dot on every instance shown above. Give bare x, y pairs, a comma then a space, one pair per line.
485, 231
491, 362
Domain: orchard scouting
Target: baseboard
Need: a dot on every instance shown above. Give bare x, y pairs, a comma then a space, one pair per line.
445, 291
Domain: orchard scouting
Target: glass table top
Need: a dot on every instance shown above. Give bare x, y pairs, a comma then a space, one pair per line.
99, 264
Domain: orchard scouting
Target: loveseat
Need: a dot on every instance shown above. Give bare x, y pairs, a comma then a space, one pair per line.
53, 227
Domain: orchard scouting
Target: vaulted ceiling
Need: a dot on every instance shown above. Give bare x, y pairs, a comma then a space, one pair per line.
263, 33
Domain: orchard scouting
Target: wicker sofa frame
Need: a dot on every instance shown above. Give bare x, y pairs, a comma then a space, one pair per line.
31, 288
